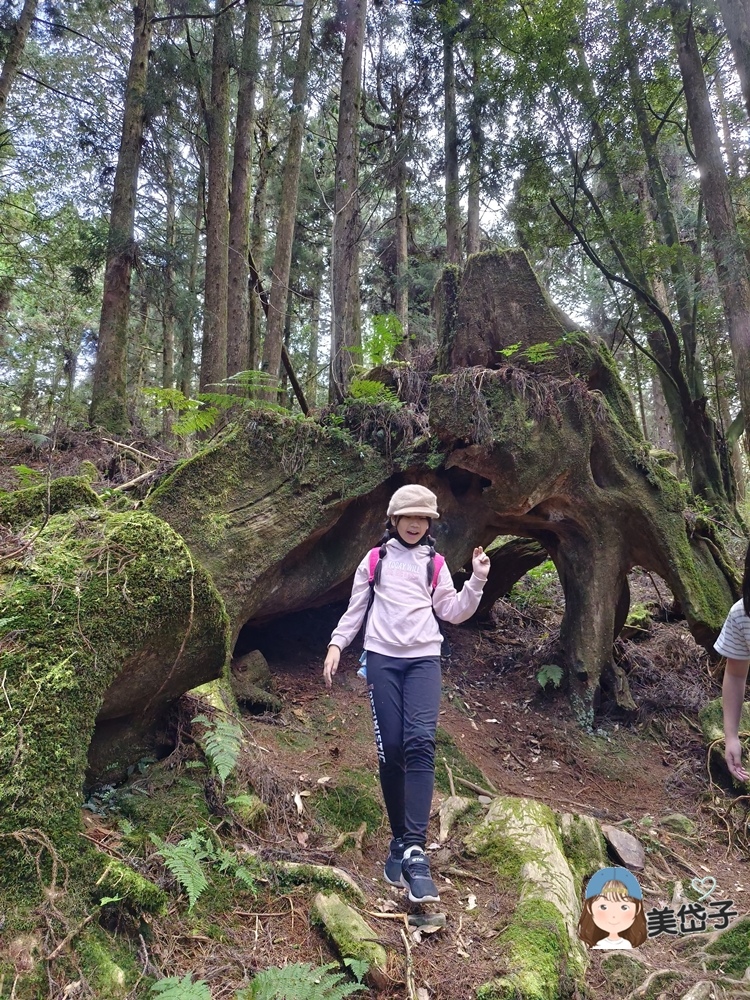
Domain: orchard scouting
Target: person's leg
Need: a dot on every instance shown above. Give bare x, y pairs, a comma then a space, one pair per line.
421, 704
385, 676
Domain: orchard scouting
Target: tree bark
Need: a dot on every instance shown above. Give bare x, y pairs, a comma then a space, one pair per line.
736, 16
168, 298
277, 306
476, 142
109, 397
346, 338
403, 349
728, 251
20, 33
452, 203
258, 227
681, 281
238, 315
188, 318
214, 351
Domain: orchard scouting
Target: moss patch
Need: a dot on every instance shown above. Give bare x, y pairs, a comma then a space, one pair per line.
92, 589
351, 802
583, 846
32, 505
734, 948
536, 952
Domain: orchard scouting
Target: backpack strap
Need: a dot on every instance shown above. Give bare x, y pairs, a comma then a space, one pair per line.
438, 565
374, 556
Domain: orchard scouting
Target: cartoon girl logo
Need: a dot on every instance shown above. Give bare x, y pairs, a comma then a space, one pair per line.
613, 915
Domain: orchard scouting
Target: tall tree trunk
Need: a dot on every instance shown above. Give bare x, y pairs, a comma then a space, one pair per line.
694, 430
452, 203
311, 382
736, 15
729, 148
476, 141
20, 33
277, 305
728, 251
681, 281
346, 337
214, 352
168, 297
403, 349
109, 396
258, 227
238, 335
188, 320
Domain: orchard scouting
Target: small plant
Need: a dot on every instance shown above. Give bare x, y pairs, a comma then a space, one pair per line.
537, 588
27, 476
191, 859
372, 391
305, 982
387, 333
549, 673
173, 988
221, 743
185, 862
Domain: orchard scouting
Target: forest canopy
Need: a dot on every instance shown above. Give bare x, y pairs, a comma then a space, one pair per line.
210, 202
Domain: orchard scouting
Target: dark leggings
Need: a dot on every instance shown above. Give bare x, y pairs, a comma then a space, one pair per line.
405, 698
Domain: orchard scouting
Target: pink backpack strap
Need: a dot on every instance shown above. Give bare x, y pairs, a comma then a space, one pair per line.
374, 556
439, 563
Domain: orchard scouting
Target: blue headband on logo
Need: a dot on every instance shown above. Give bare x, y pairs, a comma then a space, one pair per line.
599, 879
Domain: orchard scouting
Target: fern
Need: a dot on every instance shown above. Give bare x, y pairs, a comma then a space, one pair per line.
185, 862
173, 988
301, 982
221, 743
372, 391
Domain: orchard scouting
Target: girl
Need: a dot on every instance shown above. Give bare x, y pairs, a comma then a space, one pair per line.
734, 643
612, 916
402, 643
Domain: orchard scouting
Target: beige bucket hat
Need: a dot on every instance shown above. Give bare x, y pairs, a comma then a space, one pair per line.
413, 500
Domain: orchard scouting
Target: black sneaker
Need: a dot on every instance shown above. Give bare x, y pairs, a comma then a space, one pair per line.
392, 870
415, 876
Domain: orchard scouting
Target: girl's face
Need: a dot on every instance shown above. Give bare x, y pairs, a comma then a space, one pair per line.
613, 915
411, 528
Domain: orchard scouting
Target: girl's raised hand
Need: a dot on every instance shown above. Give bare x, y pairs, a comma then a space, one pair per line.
480, 563
331, 664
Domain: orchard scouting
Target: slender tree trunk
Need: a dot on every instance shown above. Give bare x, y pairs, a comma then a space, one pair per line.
403, 350
214, 352
736, 15
681, 280
728, 251
20, 32
311, 382
258, 227
288, 206
238, 316
168, 298
476, 142
188, 323
729, 148
346, 337
452, 203
109, 396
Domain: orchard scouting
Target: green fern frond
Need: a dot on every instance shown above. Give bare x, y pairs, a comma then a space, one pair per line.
221, 743
185, 862
301, 982
173, 988
222, 400
195, 420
